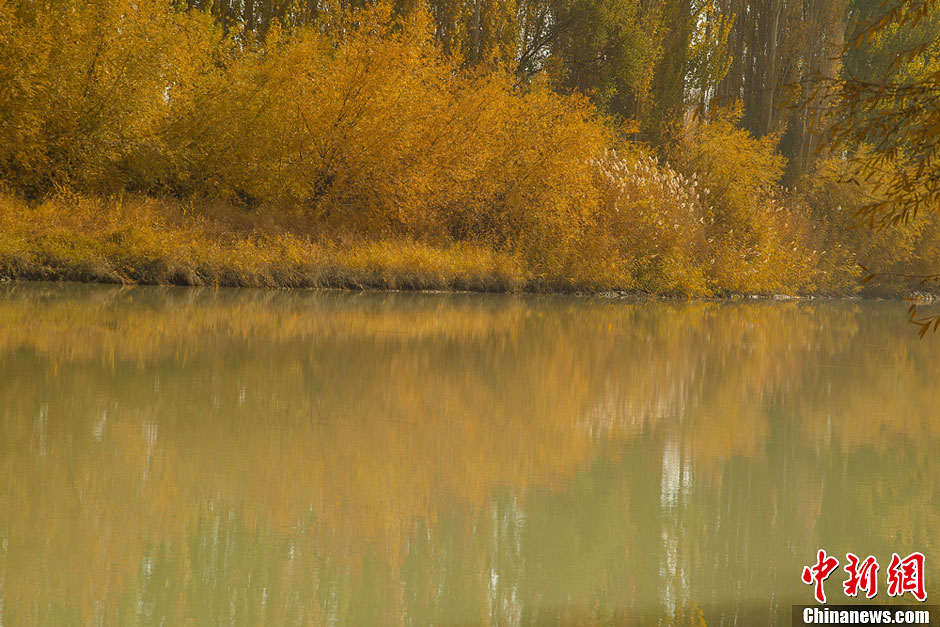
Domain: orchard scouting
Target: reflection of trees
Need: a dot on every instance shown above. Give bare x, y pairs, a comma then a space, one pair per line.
844, 461
224, 456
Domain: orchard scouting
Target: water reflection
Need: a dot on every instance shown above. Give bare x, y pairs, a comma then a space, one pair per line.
172, 456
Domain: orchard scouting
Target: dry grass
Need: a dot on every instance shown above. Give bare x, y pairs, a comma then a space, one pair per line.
142, 240
146, 241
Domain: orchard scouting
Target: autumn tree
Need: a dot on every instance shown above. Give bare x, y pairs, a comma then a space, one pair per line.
886, 115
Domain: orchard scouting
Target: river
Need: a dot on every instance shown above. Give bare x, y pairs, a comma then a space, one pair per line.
175, 456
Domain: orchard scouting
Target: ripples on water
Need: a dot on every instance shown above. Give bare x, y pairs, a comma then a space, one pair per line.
176, 456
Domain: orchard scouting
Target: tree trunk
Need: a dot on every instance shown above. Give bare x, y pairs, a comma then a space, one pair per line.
475, 41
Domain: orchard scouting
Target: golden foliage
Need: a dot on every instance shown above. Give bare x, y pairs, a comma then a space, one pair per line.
357, 154
140, 240
86, 88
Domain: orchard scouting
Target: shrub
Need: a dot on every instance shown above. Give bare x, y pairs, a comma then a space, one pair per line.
758, 239
653, 217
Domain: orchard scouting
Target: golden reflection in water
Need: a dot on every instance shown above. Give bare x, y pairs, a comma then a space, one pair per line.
256, 457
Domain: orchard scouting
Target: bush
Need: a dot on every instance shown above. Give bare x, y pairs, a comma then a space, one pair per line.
653, 217
853, 249
759, 239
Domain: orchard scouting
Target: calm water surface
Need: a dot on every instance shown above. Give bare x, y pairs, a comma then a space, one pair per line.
197, 457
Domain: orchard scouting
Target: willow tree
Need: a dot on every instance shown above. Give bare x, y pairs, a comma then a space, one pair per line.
884, 113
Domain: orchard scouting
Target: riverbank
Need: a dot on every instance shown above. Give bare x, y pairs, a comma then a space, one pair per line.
151, 242
139, 240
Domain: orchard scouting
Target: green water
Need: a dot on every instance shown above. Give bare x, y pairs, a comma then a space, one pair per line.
198, 457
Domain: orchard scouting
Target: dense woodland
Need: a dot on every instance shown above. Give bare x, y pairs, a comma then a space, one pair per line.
699, 147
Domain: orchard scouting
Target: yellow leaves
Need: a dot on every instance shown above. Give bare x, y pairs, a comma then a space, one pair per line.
87, 89
367, 129
708, 51
361, 128
137, 240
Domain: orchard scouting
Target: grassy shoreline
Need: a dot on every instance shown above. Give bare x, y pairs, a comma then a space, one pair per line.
145, 241
151, 242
